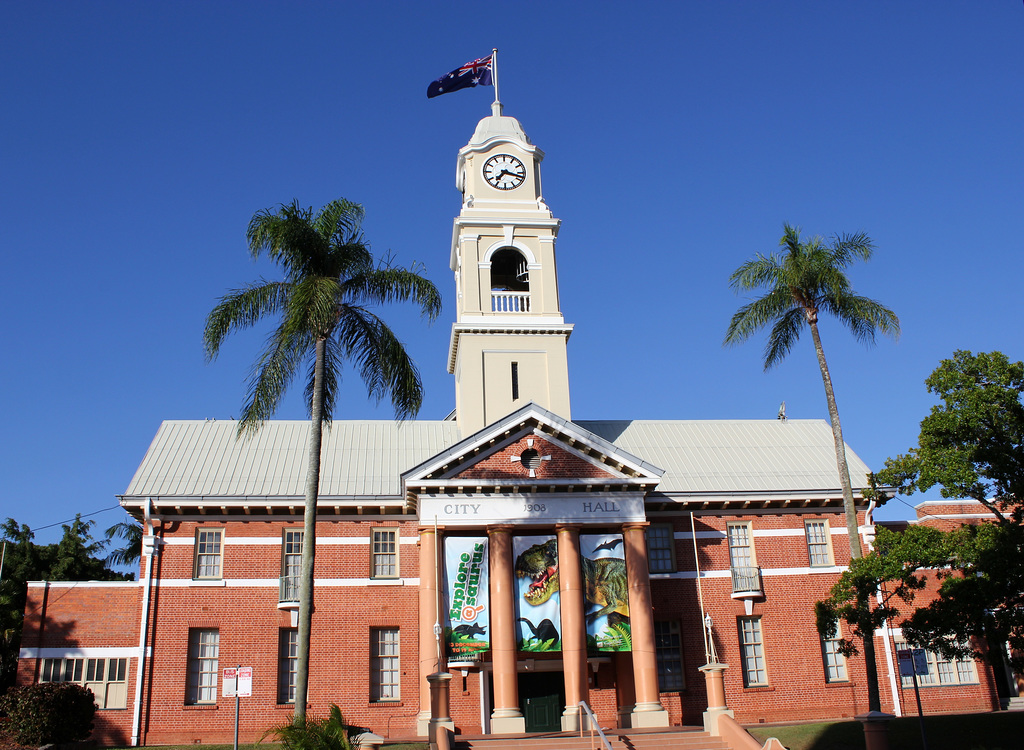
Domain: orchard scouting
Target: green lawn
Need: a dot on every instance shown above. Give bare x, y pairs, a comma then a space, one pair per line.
990, 731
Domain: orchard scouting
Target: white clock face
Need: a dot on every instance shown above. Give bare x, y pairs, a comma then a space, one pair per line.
504, 172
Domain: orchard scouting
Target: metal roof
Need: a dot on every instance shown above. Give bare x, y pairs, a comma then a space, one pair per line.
735, 456
359, 458
365, 459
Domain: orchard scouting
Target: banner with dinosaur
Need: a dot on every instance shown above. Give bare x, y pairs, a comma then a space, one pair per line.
538, 613
605, 592
465, 596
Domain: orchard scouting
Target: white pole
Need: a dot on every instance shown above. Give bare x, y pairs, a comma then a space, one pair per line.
140, 661
700, 591
496, 107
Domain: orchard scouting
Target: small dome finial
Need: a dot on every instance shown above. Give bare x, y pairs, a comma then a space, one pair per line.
496, 108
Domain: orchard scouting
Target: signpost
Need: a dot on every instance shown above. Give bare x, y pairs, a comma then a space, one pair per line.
912, 663
237, 684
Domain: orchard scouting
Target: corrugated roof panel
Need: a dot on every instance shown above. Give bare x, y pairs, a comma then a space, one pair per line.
367, 458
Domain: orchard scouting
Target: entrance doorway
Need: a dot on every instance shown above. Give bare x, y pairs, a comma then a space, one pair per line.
542, 698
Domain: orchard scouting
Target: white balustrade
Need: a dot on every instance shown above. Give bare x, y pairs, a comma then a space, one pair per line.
510, 302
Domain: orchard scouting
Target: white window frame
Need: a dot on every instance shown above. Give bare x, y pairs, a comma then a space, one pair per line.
661, 548
941, 672
106, 678
291, 563
819, 547
833, 662
384, 552
208, 556
287, 664
751, 638
668, 647
745, 529
385, 665
203, 669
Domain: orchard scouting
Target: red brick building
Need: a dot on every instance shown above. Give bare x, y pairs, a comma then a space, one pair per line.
561, 560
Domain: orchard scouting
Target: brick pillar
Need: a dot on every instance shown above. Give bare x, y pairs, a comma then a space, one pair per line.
574, 636
506, 718
429, 663
648, 711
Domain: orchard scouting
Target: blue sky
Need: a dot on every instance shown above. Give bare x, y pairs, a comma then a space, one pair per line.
137, 139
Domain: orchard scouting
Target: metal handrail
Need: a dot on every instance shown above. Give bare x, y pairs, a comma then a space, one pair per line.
593, 725
746, 579
288, 589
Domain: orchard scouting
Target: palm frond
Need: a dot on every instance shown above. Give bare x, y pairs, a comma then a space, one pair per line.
271, 375
242, 308
387, 284
380, 358
806, 278
131, 533
783, 336
754, 316
847, 248
340, 220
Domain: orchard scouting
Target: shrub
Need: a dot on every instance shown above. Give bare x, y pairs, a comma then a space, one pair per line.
313, 733
49, 712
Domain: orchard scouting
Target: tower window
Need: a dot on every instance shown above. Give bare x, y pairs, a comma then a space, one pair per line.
509, 272
515, 381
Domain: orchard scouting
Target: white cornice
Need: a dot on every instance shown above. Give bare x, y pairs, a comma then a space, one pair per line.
502, 326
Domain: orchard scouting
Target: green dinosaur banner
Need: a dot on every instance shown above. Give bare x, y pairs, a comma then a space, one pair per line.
465, 595
606, 592
538, 614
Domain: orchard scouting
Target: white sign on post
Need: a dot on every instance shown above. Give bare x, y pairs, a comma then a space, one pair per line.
911, 659
237, 683
245, 682
229, 682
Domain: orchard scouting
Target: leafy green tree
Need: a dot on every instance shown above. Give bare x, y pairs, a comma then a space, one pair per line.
76, 557
799, 283
972, 446
896, 569
330, 277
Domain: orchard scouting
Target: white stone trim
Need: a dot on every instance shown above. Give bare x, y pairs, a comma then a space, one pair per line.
82, 584
265, 583
270, 541
765, 572
87, 652
502, 243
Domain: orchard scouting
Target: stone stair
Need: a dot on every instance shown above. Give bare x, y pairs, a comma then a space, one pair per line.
684, 738
1014, 704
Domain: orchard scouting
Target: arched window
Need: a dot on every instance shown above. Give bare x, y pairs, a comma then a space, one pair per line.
509, 272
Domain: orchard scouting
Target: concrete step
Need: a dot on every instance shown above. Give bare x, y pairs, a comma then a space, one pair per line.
675, 739
1014, 704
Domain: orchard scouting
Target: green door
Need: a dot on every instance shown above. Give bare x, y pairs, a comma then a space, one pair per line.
542, 698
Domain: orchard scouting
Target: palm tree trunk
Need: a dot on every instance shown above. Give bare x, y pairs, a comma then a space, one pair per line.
309, 535
837, 434
852, 529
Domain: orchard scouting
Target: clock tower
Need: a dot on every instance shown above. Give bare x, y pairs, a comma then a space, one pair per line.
508, 344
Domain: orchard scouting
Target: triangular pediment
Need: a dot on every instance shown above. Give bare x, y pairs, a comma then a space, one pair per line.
532, 449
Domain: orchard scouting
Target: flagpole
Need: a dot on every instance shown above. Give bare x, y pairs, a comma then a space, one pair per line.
494, 77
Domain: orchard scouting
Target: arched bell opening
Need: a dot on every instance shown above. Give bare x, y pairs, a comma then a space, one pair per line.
510, 281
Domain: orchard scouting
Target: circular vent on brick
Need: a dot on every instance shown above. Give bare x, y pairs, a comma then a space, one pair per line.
530, 458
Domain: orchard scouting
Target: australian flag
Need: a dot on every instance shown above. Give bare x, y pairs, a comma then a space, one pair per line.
473, 73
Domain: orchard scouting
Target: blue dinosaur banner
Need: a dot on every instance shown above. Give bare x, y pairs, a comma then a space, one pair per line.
538, 613
605, 592
466, 598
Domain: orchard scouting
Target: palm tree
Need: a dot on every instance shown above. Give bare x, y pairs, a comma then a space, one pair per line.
330, 276
807, 278
128, 555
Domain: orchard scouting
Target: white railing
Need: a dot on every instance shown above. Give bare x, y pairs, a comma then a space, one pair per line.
594, 726
288, 590
746, 580
510, 302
